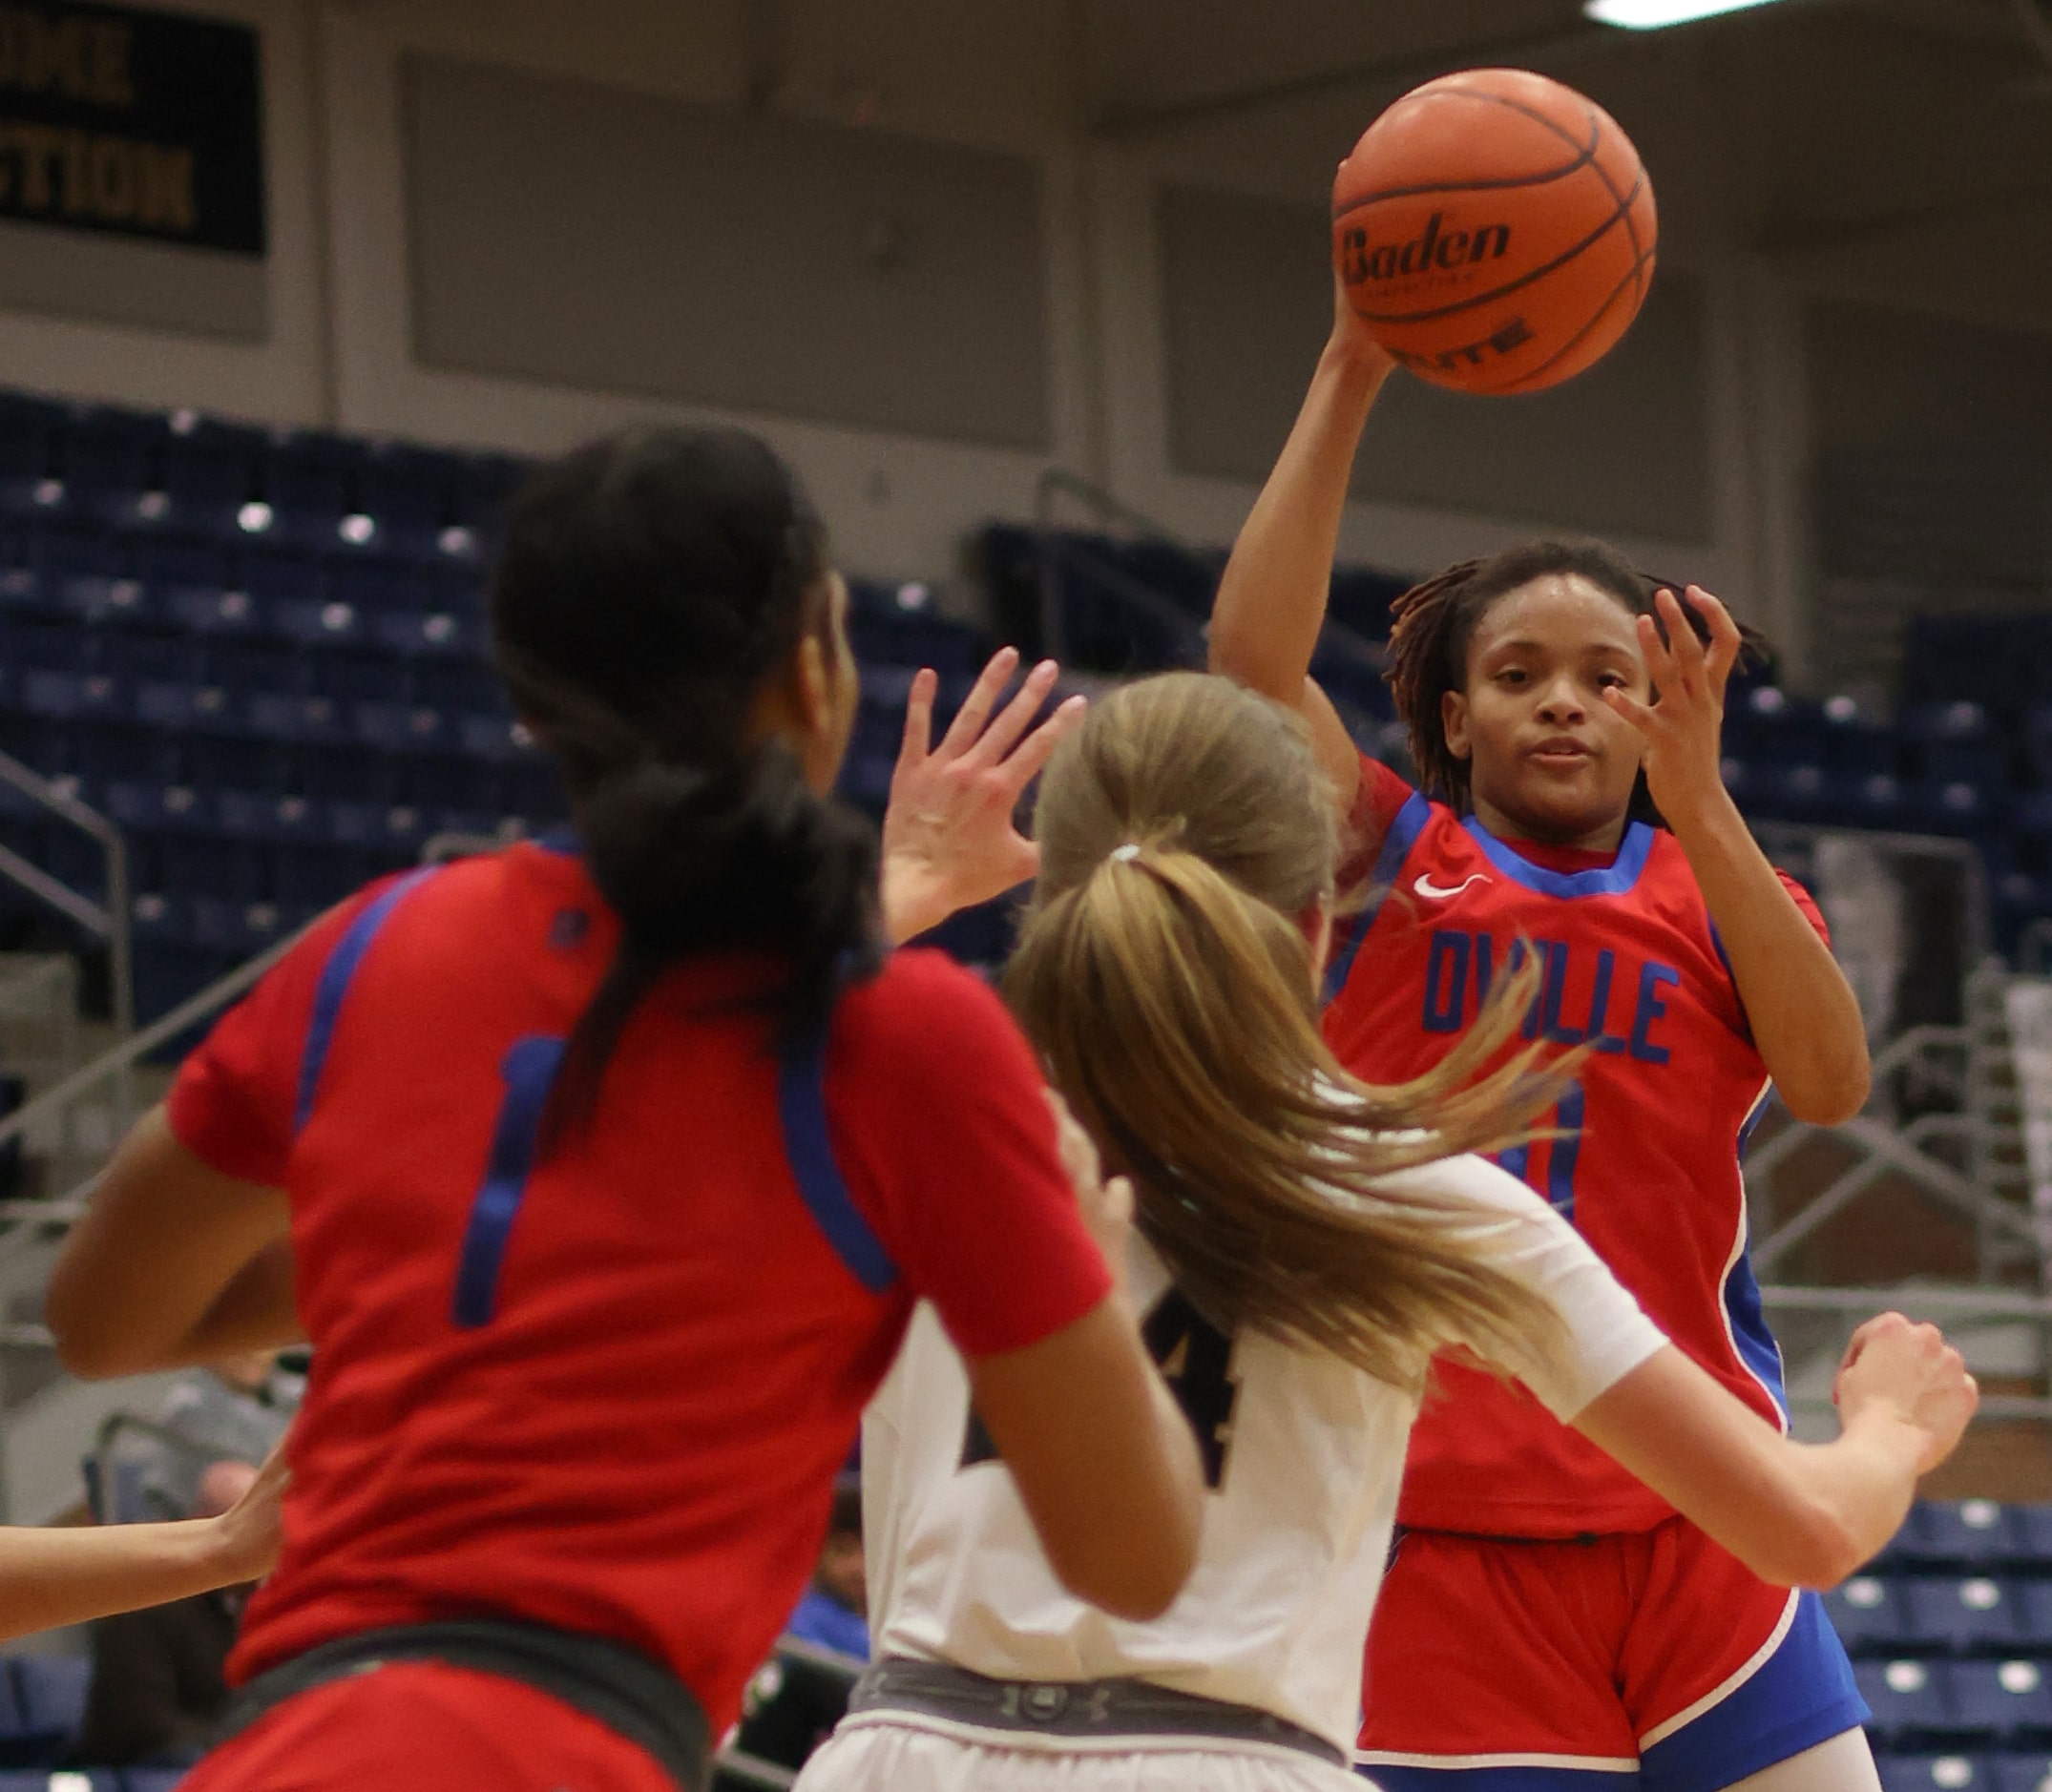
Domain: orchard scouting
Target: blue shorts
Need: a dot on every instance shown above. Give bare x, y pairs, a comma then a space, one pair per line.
1648, 1662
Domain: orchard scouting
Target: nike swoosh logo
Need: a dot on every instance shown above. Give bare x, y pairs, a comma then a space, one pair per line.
1432, 892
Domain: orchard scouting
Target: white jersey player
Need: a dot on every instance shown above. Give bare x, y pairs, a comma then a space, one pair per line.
1303, 1244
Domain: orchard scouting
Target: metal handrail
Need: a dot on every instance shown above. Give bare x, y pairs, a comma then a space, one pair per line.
118, 1058
1060, 481
110, 924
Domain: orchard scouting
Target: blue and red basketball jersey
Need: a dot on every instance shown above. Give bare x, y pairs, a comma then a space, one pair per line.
607, 1387
1646, 1160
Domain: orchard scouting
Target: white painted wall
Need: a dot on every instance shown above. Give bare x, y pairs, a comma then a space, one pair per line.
1014, 75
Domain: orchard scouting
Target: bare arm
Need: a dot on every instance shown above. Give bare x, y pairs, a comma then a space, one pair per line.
1109, 1471
1804, 1015
1796, 1514
1271, 601
72, 1573
1103, 1458
173, 1264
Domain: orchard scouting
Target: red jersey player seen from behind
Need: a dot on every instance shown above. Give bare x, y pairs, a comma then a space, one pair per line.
603, 1176
1547, 1623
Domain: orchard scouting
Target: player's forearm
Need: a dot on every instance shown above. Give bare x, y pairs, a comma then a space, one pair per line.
1805, 1018
72, 1573
1859, 1488
1271, 601
1794, 1514
913, 897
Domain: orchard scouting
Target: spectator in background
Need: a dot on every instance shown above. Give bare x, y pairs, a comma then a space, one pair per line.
233, 1411
834, 1611
159, 1675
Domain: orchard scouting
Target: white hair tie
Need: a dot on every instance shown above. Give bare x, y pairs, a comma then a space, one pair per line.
1127, 853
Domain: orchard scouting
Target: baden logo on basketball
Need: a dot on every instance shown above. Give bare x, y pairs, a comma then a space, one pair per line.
1440, 247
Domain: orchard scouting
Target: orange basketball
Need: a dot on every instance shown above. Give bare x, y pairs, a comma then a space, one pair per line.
1496, 230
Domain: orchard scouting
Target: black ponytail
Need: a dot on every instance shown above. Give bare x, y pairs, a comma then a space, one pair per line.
650, 585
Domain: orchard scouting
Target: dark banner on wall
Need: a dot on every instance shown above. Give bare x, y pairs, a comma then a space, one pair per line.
135, 123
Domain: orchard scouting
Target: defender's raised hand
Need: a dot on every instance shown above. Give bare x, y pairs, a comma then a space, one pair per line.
950, 838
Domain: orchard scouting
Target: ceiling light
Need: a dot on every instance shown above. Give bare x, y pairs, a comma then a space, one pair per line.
1652, 15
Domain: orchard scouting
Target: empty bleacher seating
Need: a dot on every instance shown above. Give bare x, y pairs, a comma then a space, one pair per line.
264, 655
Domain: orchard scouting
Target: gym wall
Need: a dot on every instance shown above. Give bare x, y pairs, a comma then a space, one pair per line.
904, 242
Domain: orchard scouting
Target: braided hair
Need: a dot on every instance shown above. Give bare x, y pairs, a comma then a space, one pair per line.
649, 586
1435, 623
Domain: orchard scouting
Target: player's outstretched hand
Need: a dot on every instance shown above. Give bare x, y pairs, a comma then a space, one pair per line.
1107, 1205
246, 1536
1684, 728
1912, 1374
950, 840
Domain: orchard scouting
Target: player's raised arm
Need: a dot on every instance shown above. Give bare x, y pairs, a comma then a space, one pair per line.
1271, 601
1796, 1514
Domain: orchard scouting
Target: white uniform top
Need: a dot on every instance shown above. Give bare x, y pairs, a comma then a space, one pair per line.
1306, 1450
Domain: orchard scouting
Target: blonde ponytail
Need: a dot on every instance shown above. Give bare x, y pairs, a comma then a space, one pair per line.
1175, 1009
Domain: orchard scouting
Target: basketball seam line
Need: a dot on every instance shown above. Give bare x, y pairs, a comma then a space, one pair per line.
1539, 117
1470, 186
1631, 230
1499, 292
1584, 153
1589, 111
1567, 348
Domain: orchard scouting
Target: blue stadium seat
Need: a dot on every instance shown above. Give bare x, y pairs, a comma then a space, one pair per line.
409, 496
306, 877
460, 689
1934, 1773
150, 806
203, 610
2007, 1700
1958, 809
315, 622
1868, 1615
61, 1779
390, 830
2025, 1772
110, 461
426, 634
1960, 1534
224, 869
1974, 1615
2032, 1527
1907, 1699
168, 970
400, 727
50, 1692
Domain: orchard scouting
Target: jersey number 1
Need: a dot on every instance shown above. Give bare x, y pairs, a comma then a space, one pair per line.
1195, 1358
1563, 1151
528, 1070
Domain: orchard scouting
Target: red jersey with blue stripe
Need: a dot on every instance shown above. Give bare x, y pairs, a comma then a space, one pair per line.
1646, 1164
607, 1387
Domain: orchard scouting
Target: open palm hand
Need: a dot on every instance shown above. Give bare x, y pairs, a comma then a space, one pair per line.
951, 838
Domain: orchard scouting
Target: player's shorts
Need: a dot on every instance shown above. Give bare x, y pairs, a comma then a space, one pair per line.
1651, 1660
877, 1756
419, 1725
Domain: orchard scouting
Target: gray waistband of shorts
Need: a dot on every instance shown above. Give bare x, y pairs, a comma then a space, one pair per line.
1077, 1708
